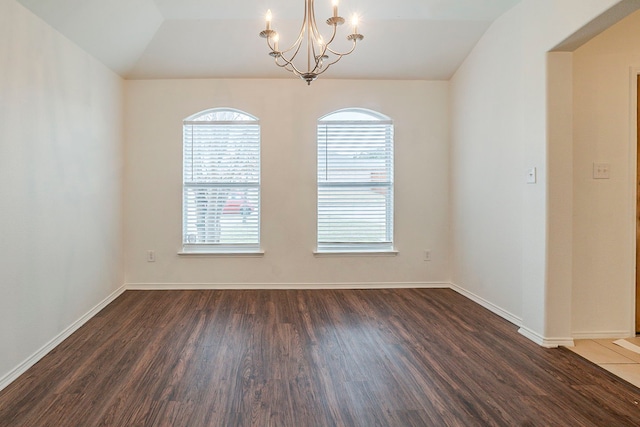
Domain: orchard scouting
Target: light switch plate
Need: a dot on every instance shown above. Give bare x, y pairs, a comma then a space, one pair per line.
532, 176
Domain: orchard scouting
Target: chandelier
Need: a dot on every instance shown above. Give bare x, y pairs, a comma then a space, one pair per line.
320, 55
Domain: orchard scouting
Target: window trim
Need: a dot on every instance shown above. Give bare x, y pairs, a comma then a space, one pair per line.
207, 253
357, 248
356, 253
223, 249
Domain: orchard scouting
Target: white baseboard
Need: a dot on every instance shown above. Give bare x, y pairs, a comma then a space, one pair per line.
594, 335
533, 336
35, 357
488, 305
296, 285
545, 341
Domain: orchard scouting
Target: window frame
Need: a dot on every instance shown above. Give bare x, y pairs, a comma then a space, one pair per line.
207, 118
366, 248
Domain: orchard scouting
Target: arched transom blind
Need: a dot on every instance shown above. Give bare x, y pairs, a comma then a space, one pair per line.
355, 182
221, 182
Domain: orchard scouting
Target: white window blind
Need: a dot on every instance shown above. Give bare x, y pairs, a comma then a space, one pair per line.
221, 182
355, 182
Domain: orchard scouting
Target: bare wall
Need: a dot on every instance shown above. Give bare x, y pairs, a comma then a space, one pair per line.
60, 185
288, 110
604, 209
500, 228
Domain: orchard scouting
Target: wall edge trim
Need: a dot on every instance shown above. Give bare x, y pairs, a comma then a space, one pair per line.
545, 341
488, 305
13, 374
277, 286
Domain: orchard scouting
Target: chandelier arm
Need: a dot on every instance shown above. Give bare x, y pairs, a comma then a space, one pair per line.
298, 43
303, 29
319, 51
291, 68
314, 28
338, 57
324, 47
318, 58
286, 64
353, 47
333, 34
297, 46
331, 63
294, 72
309, 33
317, 66
325, 69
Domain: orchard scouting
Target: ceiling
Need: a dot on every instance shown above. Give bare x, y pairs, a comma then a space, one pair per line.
148, 39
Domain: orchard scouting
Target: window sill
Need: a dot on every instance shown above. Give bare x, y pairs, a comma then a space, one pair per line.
328, 254
228, 254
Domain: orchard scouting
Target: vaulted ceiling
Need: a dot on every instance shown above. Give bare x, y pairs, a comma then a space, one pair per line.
140, 39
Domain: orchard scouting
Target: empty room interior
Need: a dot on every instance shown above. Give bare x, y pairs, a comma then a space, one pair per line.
194, 234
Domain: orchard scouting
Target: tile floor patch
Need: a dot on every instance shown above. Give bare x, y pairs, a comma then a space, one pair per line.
615, 357
628, 345
598, 353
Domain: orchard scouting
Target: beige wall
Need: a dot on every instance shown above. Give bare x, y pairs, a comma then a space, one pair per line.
501, 234
603, 220
61, 186
288, 110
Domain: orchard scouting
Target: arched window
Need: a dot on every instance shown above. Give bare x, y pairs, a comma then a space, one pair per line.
221, 182
355, 182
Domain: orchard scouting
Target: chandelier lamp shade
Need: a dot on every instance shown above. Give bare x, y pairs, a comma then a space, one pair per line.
320, 54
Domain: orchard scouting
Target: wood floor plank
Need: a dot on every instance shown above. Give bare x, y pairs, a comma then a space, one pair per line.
405, 357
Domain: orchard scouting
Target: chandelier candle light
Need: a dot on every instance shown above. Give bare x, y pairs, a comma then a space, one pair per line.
320, 56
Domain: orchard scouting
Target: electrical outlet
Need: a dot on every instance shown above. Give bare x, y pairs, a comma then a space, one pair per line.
427, 255
601, 170
151, 256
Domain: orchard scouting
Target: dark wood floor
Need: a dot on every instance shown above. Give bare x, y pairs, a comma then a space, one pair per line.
310, 358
